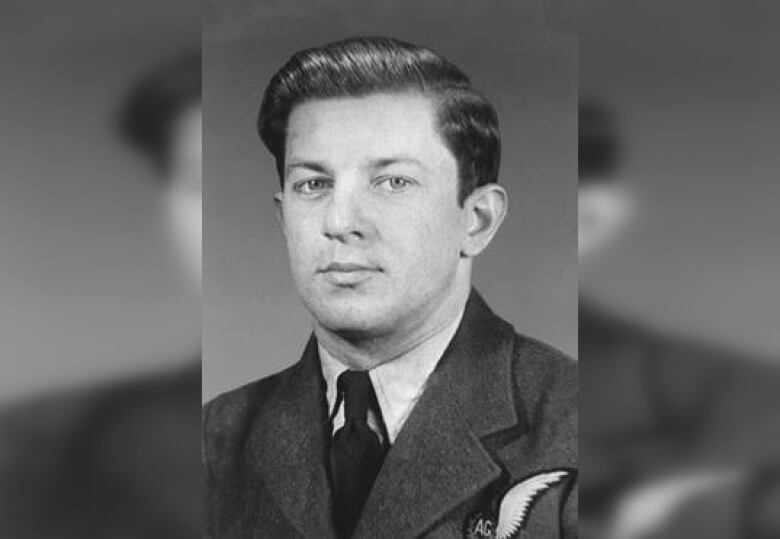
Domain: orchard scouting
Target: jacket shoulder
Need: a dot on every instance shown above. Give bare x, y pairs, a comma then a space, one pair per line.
545, 382
541, 368
228, 413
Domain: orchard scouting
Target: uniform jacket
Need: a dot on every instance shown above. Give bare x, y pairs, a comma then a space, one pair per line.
118, 461
498, 409
661, 410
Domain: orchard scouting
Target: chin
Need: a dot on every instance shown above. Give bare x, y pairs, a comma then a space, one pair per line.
351, 315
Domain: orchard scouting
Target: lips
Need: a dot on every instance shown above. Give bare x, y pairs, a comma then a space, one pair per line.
348, 267
348, 274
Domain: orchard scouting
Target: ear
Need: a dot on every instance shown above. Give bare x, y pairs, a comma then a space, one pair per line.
484, 211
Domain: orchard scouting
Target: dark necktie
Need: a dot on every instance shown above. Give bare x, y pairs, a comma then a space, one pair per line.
356, 451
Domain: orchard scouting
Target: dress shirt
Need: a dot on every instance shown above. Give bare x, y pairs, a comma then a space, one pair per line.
398, 383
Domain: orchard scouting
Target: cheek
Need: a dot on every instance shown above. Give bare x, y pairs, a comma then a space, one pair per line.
300, 233
426, 240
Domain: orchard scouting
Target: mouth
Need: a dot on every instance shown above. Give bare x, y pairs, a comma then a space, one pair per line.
347, 267
348, 273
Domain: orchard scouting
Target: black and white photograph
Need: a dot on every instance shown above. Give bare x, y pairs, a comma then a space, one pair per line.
490, 269
390, 293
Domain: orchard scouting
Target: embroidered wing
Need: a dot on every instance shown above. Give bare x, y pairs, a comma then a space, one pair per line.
518, 499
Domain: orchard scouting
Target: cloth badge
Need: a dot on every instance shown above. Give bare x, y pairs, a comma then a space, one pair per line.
513, 508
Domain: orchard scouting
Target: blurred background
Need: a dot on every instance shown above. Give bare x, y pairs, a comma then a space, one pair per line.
89, 291
521, 55
694, 88
99, 310
679, 267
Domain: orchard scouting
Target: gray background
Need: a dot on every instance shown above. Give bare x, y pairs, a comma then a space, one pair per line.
90, 291
696, 91
520, 56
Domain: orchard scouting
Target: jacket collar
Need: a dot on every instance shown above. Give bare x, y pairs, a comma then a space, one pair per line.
438, 460
289, 446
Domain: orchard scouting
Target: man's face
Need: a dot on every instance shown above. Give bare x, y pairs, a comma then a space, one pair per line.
370, 211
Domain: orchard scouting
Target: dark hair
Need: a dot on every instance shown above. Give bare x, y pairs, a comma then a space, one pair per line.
364, 65
597, 142
152, 106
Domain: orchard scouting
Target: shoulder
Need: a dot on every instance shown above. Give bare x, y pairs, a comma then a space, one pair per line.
63, 452
545, 386
541, 369
55, 422
231, 411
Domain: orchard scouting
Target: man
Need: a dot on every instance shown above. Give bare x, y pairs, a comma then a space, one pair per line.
678, 439
414, 411
121, 460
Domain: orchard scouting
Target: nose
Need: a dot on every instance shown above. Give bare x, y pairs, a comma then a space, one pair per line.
344, 218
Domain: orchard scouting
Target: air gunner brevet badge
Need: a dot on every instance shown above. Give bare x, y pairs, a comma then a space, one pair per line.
513, 508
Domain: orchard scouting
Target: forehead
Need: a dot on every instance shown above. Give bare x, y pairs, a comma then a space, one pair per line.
351, 129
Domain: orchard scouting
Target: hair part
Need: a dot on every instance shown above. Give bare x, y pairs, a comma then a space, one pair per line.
362, 66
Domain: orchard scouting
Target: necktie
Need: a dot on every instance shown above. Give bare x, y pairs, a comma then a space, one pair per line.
356, 452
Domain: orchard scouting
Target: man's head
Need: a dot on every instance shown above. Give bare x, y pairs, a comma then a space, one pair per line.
604, 204
358, 67
163, 118
388, 162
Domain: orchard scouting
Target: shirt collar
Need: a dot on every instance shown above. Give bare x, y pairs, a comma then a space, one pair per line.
398, 383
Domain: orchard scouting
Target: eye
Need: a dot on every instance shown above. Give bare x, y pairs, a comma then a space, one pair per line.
395, 183
314, 186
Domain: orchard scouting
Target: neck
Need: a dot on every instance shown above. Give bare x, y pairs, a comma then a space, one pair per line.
365, 352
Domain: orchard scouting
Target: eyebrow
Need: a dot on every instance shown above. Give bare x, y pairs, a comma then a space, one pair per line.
309, 165
402, 159
375, 164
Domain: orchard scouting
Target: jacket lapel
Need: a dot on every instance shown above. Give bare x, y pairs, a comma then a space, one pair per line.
289, 448
438, 460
